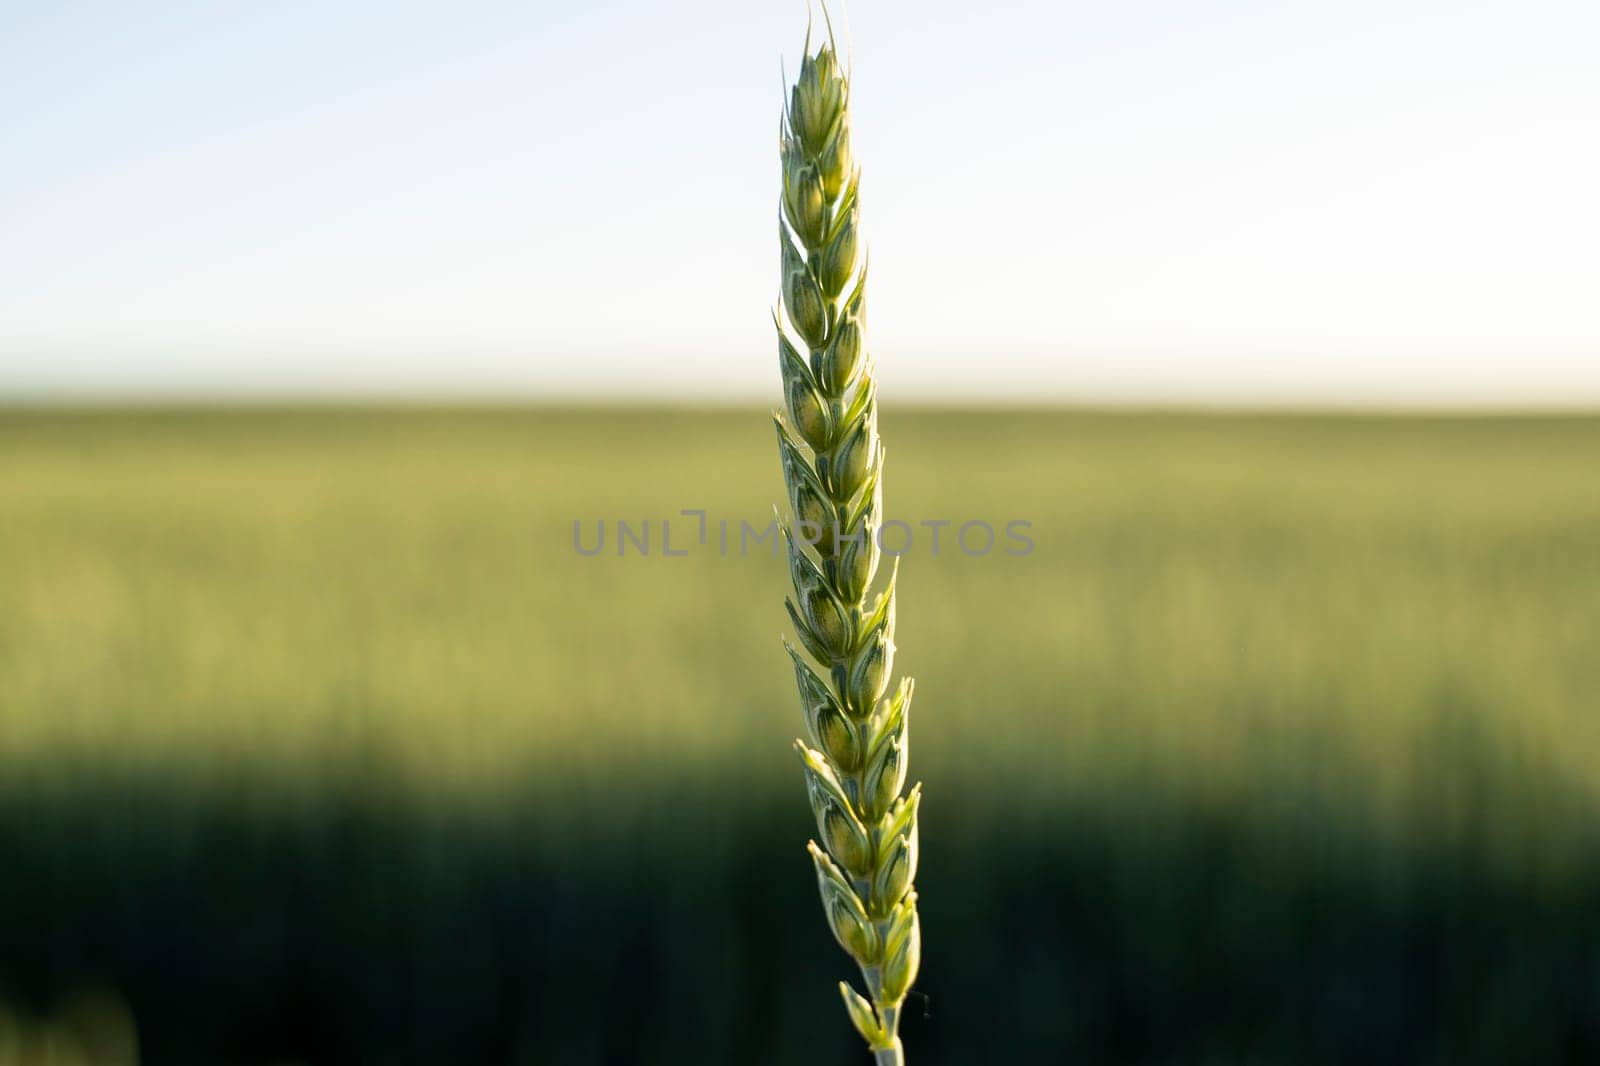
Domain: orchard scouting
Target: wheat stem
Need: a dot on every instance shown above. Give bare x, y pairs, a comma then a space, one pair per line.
855, 757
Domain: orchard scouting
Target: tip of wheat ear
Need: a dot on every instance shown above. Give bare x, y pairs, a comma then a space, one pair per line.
854, 757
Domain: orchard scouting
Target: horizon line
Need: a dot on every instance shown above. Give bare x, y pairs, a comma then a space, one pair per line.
422, 402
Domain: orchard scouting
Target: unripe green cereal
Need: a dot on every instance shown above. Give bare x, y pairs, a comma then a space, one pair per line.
885, 774
843, 357
903, 949
806, 201
858, 561
832, 460
861, 1013
847, 918
853, 460
835, 162
808, 412
839, 258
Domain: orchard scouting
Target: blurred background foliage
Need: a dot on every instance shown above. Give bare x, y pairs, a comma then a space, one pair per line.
320, 742
91, 1027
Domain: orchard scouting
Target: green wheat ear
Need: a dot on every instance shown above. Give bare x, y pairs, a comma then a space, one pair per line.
855, 762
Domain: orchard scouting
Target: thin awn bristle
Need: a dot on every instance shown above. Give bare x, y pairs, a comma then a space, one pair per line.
855, 754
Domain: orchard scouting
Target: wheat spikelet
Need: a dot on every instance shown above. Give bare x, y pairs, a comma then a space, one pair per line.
855, 760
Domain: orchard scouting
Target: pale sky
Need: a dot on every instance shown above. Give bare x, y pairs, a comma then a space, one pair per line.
1390, 202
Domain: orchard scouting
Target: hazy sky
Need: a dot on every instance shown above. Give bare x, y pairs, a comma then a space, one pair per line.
1315, 202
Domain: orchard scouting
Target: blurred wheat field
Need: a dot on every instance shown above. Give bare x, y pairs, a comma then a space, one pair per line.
1211, 601
1377, 628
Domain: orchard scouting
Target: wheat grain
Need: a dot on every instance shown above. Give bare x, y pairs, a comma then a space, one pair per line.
832, 458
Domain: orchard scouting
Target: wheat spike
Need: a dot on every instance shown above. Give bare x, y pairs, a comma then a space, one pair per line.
832, 459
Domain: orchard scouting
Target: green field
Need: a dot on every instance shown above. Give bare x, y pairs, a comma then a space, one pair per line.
1255, 648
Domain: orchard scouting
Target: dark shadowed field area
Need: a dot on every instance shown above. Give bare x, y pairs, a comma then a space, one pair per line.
321, 743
